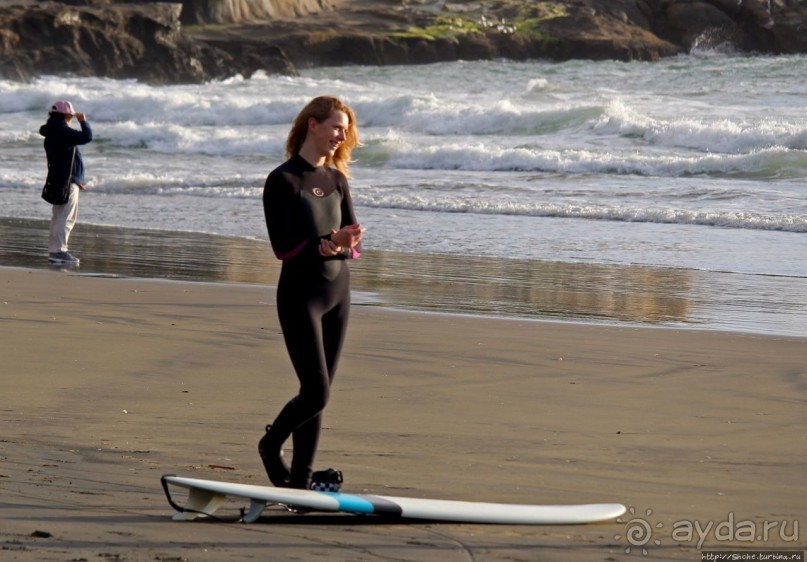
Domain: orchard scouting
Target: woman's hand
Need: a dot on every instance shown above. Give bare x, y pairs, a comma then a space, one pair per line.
348, 236
328, 248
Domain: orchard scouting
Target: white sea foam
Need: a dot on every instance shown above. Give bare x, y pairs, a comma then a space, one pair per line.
708, 142
722, 135
461, 204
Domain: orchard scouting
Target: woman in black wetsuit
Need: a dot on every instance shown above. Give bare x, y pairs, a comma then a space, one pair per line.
313, 229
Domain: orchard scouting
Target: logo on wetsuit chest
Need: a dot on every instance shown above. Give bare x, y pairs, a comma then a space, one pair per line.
318, 192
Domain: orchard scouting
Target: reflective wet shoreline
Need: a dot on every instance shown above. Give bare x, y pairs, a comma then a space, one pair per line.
446, 284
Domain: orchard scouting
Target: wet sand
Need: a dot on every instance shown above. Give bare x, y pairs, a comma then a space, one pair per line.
111, 381
591, 293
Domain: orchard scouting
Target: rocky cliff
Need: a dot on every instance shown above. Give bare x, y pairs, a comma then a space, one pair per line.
142, 41
250, 11
199, 40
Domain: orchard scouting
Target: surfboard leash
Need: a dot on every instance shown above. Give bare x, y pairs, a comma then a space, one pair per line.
183, 509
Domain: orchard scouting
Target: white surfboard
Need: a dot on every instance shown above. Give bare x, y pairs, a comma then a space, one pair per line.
206, 496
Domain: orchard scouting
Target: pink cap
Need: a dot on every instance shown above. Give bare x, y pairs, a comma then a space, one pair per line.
63, 106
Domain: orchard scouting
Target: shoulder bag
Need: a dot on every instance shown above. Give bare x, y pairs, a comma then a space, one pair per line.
57, 193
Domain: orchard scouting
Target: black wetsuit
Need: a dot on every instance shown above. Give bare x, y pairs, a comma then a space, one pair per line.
302, 204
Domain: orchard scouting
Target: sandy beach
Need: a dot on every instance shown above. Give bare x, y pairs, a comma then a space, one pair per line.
111, 381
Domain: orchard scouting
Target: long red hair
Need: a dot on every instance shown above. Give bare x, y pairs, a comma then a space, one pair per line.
321, 108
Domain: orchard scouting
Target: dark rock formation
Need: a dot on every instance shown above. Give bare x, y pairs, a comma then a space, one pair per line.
761, 26
422, 31
243, 11
225, 37
141, 41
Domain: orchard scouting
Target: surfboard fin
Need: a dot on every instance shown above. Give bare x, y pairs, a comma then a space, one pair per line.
201, 503
256, 507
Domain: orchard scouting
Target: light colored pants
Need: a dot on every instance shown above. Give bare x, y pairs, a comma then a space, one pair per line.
62, 222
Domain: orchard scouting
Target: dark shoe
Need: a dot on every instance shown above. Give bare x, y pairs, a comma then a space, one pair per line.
60, 258
328, 480
272, 457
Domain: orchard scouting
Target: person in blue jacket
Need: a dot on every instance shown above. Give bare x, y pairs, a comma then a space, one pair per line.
313, 230
60, 141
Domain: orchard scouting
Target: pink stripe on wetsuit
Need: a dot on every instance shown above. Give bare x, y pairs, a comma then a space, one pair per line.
354, 253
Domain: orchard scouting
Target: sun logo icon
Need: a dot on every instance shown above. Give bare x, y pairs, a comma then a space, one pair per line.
638, 531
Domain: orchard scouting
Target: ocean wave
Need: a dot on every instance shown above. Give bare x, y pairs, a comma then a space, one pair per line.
433, 115
201, 185
238, 117
777, 162
725, 219
170, 138
228, 103
722, 135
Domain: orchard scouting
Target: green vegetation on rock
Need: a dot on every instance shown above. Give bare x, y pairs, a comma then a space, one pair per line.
503, 16
444, 27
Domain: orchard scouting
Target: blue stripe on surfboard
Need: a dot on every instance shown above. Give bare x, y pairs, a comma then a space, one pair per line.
365, 504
